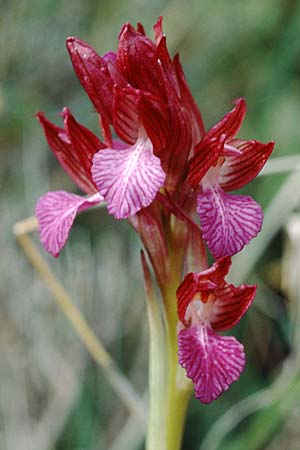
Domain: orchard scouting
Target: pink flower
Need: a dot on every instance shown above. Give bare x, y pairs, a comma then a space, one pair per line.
208, 304
228, 221
143, 95
159, 172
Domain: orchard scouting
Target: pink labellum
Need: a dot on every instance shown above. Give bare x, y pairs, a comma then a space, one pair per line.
128, 179
213, 362
231, 122
93, 74
230, 304
238, 170
74, 159
228, 222
56, 212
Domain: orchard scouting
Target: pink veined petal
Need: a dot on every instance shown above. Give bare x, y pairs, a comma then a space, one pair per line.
213, 362
56, 212
230, 305
238, 170
128, 179
228, 221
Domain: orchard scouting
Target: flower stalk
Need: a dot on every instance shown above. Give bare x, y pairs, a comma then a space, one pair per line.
169, 389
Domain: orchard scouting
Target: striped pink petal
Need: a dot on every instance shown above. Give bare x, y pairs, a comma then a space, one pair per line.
213, 362
230, 305
56, 212
228, 222
128, 179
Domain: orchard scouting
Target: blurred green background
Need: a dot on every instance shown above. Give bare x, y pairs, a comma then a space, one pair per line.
52, 395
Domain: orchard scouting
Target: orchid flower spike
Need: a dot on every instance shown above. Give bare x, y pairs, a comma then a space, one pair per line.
207, 304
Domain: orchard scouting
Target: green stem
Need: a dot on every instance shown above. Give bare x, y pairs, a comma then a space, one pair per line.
169, 389
157, 368
178, 386
157, 371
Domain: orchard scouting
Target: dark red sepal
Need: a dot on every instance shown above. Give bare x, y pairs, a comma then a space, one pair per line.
74, 161
189, 102
154, 116
179, 140
158, 32
239, 170
125, 113
206, 155
137, 61
230, 124
204, 282
166, 62
230, 304
93, 74
84, 141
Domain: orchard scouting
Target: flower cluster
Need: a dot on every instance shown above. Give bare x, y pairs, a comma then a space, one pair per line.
157, 167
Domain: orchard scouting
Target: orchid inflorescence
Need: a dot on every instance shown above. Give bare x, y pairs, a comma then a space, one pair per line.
172, 180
